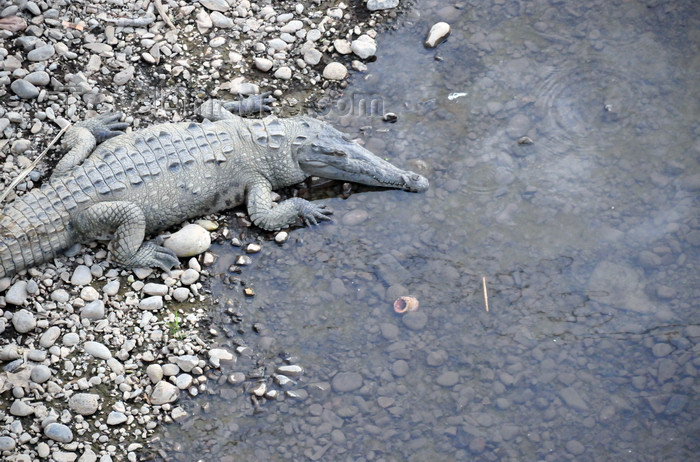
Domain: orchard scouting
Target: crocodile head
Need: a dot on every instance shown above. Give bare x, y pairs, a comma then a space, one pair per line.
326, 152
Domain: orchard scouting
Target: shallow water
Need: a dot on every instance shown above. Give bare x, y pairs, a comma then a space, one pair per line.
588, 239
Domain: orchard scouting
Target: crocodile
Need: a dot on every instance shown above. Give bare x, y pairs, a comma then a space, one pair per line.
129, 185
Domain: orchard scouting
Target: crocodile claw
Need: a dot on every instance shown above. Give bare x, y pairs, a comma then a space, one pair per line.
312, 213
156, 255
250, 105
105, 126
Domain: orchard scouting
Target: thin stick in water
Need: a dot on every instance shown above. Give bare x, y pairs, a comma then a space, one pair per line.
486, 294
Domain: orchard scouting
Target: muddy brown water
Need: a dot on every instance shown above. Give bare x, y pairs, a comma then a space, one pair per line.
587, 237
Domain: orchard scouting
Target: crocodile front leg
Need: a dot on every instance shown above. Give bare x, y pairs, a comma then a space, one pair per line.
82, 138
128, 223
215, 109
266, 215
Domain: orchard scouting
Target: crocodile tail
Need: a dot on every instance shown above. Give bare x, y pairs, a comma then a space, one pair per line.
32, 231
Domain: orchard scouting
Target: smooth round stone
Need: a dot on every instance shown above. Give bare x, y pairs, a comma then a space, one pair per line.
38, 78
575, 447
7, 443
89, 294
346, 381
191, 240
116, 418
284, 73
111, 288
335, 71
263, 64
71, 339
355, 217
399, 368
181, 294
312, 56
98, 350
415, 320
661, 349
84, 403
23, 321
215, 5
219, 20
436, 358
60, 296
216, 355
24, 89
151, 303
281, 237
41, 53
43, 450
49, 337
155, 289
448, 379
81, 276
217, 42
170, 369
518, 126
183, 381
164, 392
437, 34
17, 294
21, 409
58, 432
40, 374
364, 47
189, 277
154, 372
94, 310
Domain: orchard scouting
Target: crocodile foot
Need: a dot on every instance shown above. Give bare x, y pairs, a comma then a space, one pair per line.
311, 213
104, 126
215, 109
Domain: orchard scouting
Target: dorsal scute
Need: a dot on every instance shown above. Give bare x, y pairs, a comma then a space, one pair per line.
268, 132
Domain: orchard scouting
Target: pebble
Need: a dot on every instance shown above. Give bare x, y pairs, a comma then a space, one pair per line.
17, 294
97, 349
24, 89
438, 33
263, 64
575, 447
181, 294
220, 20
82, 276
189, 241
187, 362
152, 288
661, 349
342, 46
116, 418
151, 303
346, 381
40, 374
284, 73
189, 277
415, 320
23, 321
58, 432
573, 399
7, 443
448, 379
335, 71
21, 409
84, 403
41, 53
94, 310
154, 373
49, 337
364, 47
164, 392
215, 5
216, 355
111, 288
71, 339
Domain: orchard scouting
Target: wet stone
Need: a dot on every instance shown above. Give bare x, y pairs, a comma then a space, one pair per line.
661, 349
575, 447
436, 358
399, 368
375, 5
346, 381
573, 399
448, 379
415, 320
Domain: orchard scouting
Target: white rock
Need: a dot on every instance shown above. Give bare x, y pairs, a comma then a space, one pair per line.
183, 381
97, 349
335, 71
215, 5
364, 47
111, 288
152, 288
283, 73
374, 5
93, 310
187, 362
181, 294
191, 240
23, 321
281, 237
203, 21
437, 34
17, 295
219, 20
292, 26
58, 432
71, 339
116, 418
151, 303
216, 355
89, 294
81, 276
263, 64
40, 374
312, 56
21, 409
84, 403
342, 46
49, 337
154, 372
164, 392
291, 370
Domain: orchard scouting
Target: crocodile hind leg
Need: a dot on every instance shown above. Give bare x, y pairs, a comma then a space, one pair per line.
82, 138
128, 223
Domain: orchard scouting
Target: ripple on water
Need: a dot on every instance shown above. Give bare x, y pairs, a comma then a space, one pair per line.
585, 105
488, 174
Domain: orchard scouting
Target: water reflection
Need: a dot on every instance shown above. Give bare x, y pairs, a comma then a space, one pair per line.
588, 239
